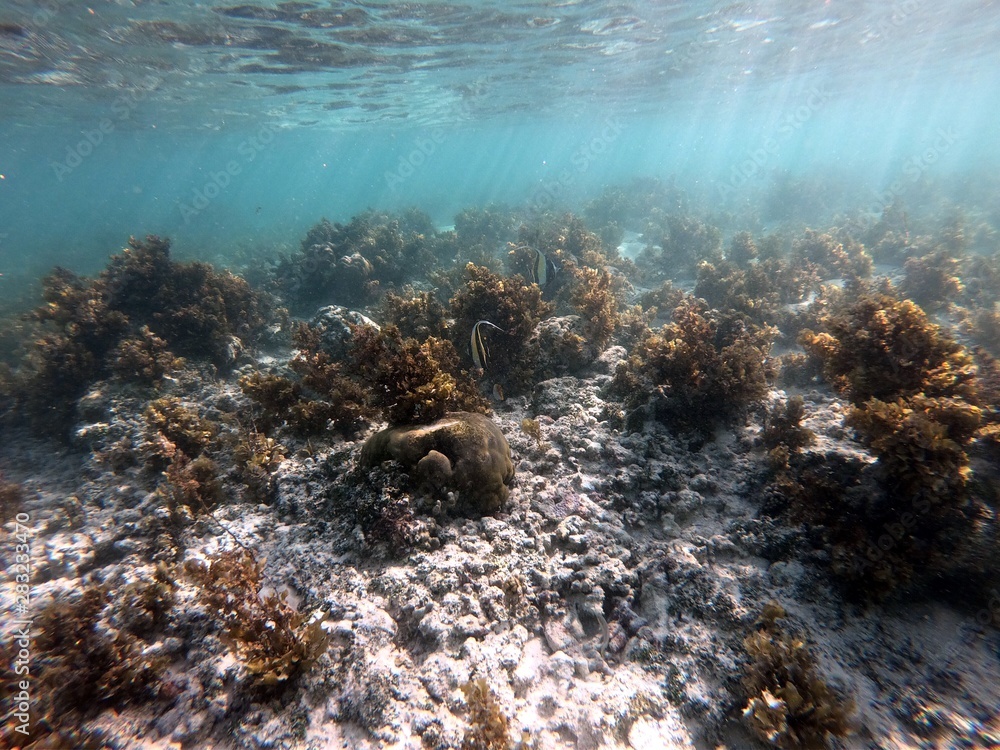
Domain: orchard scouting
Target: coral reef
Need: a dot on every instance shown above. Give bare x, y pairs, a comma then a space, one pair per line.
932, 280
790, 705
417, 315
351, 264
80, 667
274, 642
878, 346
513, 305
416, 594
702, 369
832, 257
462, 453
411, 382
129, 321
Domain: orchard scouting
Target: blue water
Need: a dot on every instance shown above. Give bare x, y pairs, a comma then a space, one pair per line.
231, 126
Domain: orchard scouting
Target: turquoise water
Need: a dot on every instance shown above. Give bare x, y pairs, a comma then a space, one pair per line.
226, 126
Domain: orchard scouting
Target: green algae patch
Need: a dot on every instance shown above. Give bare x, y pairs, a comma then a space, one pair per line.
462, 452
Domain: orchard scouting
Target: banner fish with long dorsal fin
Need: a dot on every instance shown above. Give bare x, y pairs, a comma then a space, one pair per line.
540, 268
479, 351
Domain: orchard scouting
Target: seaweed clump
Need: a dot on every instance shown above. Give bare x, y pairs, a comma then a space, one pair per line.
275, 642
379, 373
144, 358
783, 434
257, 457
351, 264
416, 315
920, 442
915, 406
933, 279
702, 369
177, 442
411, 382
686, 242
323, 396
481, 229
882, 347
790, 705
488, 726
594, 296
131, 321
832, 257
514, 306
81, 667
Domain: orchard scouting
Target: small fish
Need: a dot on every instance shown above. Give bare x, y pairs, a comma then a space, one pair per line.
498, 393
541, 268
478, 347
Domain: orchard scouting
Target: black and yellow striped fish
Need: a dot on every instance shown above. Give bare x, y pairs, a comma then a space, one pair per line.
479, 351
540, 269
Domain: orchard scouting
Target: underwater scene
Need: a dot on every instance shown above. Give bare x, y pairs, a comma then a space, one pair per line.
470, 375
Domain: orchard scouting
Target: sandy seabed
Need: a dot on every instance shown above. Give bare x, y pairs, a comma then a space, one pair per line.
605, 605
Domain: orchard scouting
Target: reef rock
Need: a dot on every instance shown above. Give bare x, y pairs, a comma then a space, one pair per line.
334, 325
462, 453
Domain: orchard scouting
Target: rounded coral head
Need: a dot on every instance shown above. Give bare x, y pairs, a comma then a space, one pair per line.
463, 453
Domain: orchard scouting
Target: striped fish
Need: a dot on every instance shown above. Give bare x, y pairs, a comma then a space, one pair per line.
541, 268
478, 346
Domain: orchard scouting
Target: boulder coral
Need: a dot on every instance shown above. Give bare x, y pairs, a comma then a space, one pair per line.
461, 453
